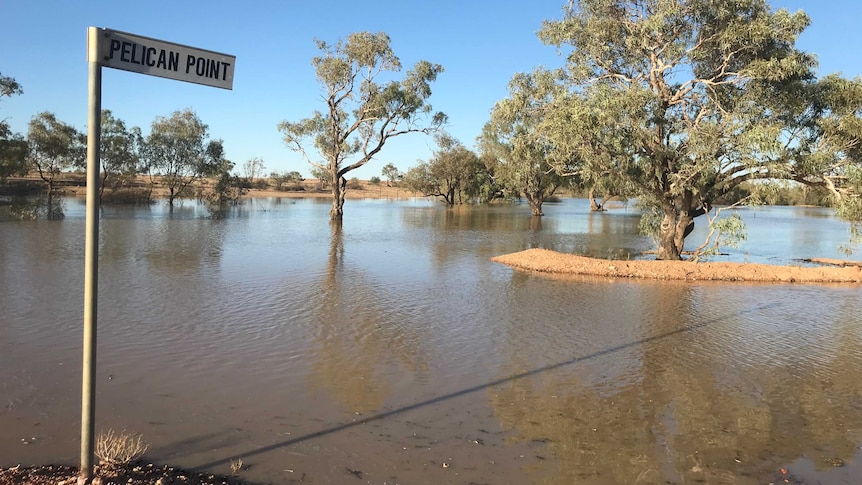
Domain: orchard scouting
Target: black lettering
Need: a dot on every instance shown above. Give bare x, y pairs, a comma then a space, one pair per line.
173, 61
201, 67
190, 61
127, 49
115, 46
224, 73
134, 50
150, 52
212, 69
161, 62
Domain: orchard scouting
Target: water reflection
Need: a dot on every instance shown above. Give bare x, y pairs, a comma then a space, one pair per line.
48, 207
698, 398
361, 345
263, 334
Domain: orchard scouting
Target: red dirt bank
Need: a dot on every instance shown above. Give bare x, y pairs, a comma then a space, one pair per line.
545, 261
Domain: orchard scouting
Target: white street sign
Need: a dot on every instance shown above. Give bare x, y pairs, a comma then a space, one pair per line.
130, 52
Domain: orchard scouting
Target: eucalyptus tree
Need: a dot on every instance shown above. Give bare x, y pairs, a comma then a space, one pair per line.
827, 142
252, 169
120, 152
684, 99
363, 110
13, 146
392, 174
53, 147
453, 173
178, 147
511, 139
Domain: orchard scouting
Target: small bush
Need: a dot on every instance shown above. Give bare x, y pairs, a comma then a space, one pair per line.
236, 466
354, 184
119, 448
292, 187
374, 180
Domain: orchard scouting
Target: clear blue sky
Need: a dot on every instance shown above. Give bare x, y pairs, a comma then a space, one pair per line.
481, 44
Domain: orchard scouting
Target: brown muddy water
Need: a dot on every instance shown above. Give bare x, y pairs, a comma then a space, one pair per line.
393, 351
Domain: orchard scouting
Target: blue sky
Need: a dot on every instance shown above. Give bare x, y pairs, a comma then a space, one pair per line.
480, 44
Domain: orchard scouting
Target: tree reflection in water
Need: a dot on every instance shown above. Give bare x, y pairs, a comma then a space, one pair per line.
361, 345
31, 208
679, 408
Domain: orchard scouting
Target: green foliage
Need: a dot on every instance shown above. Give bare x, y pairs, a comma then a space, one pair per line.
512, 147
13, 155
252, 169
392, 174
54, 147
179, 149
454, 173
287, 181
650, 222
727, 232
686, 100
374, 180
9, 87
226, 191
13, 146
324, 179
120, 153
362, 112
850, 206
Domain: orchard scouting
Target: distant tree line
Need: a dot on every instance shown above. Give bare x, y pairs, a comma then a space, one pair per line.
678, 104
176, 155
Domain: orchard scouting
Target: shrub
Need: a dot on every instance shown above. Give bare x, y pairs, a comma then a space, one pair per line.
119, 448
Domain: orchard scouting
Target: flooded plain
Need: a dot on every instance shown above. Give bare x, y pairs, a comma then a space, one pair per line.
391, 350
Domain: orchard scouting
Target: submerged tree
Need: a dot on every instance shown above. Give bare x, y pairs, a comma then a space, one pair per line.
13, 146
178, 148
252, 169
226, 191
120, 152
362, 111
519, 152
54, 147
392, 174
451, 174
684, 99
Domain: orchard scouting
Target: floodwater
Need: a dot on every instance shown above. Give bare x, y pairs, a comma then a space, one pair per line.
392, 350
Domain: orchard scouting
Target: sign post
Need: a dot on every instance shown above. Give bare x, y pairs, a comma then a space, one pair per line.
129, 52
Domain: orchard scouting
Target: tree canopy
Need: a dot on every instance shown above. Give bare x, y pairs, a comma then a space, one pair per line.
13, 147
686, 99
363, 110
53, 147
516, 150
119, 152
179, 148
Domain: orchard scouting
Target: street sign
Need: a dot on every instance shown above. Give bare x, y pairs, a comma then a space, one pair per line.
135, 53
129, 52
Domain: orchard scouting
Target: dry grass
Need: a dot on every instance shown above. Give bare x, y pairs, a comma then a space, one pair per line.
119, 448
236, 466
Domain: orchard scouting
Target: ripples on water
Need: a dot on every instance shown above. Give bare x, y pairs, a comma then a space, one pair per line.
393, 345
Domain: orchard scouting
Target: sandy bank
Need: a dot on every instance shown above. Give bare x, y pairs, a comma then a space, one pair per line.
545, 261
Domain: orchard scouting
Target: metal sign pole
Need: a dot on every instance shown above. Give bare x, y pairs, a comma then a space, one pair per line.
135, 53
91, 255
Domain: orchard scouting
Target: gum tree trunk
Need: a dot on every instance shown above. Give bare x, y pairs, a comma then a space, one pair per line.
535, 205
338, 190
667, 245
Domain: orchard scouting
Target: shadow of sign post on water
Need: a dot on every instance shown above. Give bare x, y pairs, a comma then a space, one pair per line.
144, 55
